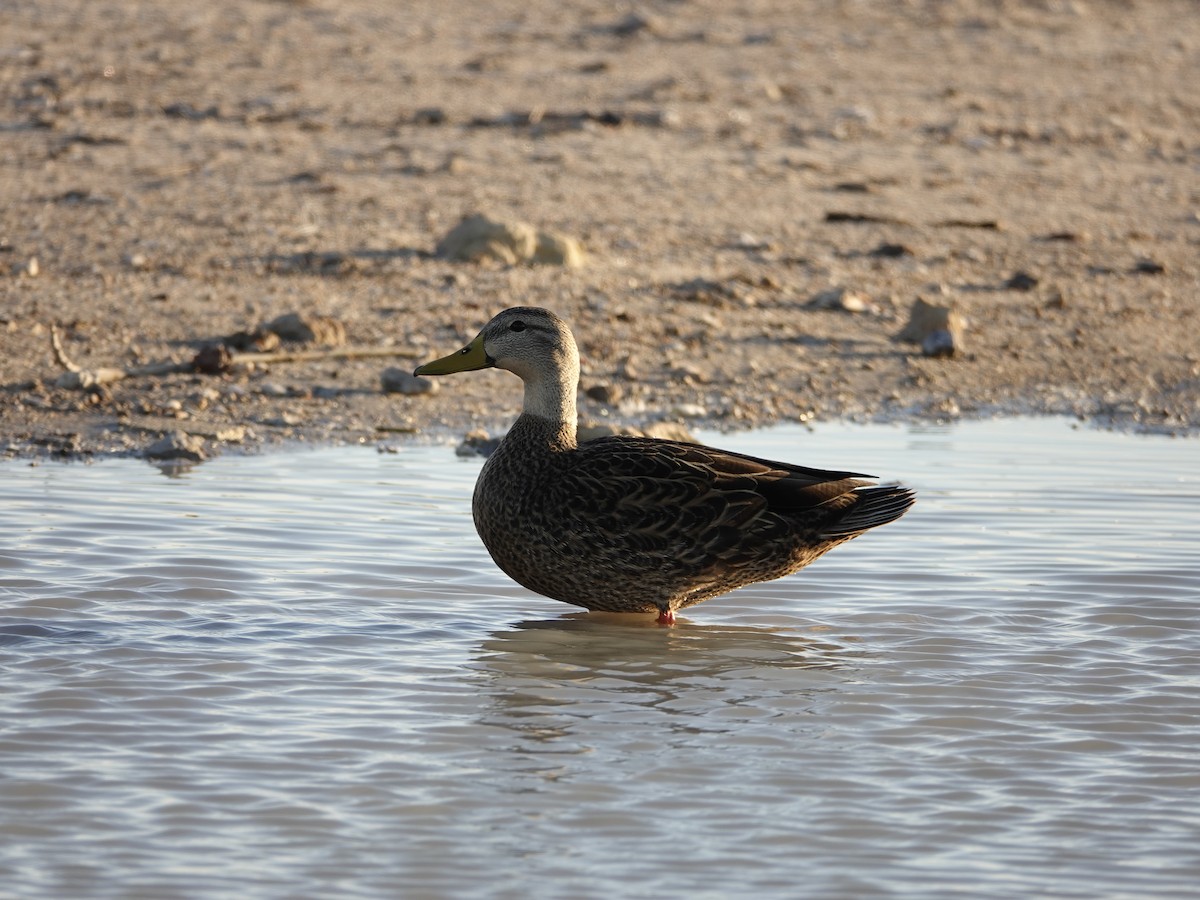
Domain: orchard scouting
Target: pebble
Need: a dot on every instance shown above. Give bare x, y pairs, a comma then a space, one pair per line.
668, 431
306, 329
608, 394
284, 420
477, 443
477, 238
213, 359
401, 381
1021, 281
234, 434
937, 328
1146, 266
841, 298
178, 445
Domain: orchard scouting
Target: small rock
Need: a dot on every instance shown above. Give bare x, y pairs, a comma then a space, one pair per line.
670, 431
477, 443
939, 344
634, 23
891, 251
234, 434
32, 268
690, 411
478, 238
589, 431
750, 242
400, 381
306, 329
430, 115
284, 420
260, 340
937, 329
138, 261
1056, 300
212, 360
178, 445
558, 250
842, 299
1021, 281
608, 394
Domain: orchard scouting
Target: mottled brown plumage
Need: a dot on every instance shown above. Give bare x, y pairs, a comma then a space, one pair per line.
627, 524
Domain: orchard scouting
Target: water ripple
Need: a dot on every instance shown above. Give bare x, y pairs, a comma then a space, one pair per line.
300, 675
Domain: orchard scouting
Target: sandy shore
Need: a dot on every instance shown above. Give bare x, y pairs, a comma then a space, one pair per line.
172, 176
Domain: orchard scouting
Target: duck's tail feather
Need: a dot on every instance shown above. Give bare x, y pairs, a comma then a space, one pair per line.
876, 506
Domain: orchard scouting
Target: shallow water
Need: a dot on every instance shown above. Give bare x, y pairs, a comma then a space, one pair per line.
299, 675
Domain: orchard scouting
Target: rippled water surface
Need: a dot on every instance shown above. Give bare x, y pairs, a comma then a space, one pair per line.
299, 675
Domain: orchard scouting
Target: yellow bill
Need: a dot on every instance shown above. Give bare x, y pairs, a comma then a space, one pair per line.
467, 359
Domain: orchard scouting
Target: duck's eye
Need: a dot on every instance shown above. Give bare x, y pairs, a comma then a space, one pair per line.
517, 326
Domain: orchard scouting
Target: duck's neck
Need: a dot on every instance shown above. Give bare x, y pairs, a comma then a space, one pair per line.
553, 409
550, 398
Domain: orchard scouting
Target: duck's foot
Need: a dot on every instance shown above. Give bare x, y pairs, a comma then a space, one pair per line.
666, 617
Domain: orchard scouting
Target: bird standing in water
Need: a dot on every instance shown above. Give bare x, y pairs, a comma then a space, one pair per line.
633, 524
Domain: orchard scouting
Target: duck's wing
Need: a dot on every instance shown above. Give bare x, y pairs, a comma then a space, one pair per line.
696, 509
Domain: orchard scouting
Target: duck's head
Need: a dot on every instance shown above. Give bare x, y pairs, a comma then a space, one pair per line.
532, 343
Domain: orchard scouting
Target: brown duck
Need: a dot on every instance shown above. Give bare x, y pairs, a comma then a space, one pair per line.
630, 524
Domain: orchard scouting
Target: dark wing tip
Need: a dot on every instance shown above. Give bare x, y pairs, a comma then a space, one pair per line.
876, 506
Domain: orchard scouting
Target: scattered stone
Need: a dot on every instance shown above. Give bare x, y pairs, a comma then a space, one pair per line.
983, 224
589, 430
213, 360
1146, 266
608, 394
939, 344
690, 411
841, 299
707, 291
891, 251
284, 420
669, 431
937, 329
477, 443
634, 23
305, 329
751, 243
177, 446
260, 340
1021, 281
558, 250
839, 217
1057, 299
401, 381
430, 115
234, 434
478, 238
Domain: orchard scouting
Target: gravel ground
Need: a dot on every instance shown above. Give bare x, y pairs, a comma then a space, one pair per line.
171, 175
